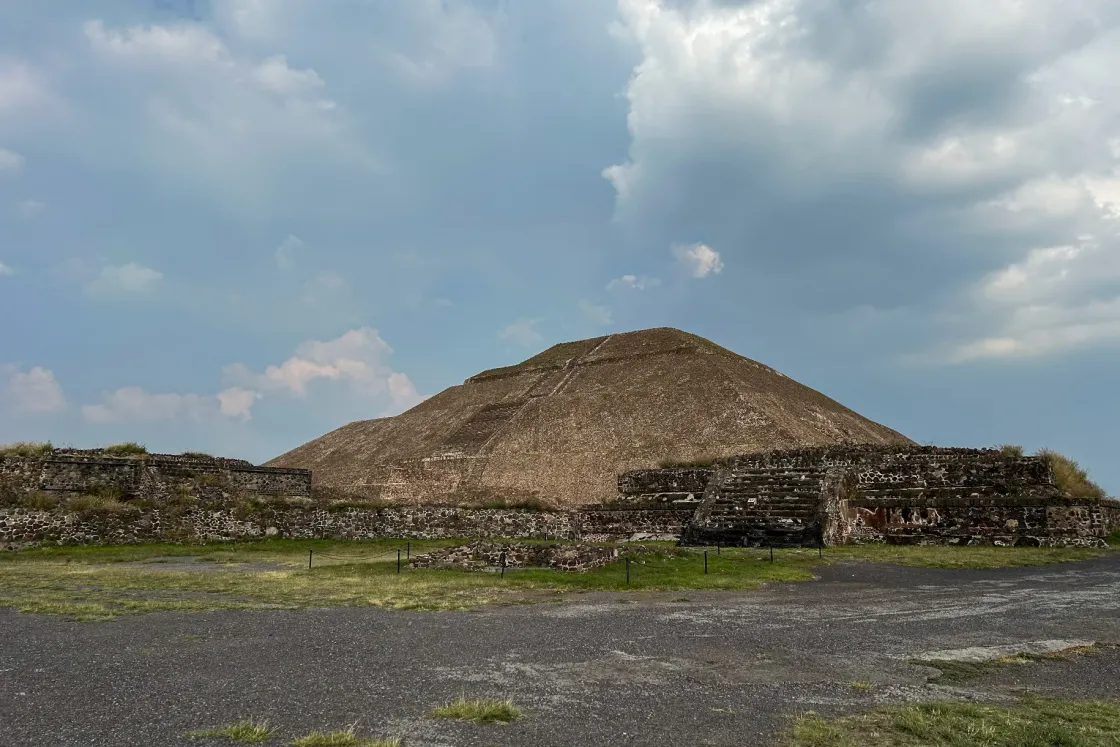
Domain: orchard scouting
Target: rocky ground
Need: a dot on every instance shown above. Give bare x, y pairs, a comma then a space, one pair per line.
688, 668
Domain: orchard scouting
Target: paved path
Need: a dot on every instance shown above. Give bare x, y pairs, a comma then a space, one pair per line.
718, 669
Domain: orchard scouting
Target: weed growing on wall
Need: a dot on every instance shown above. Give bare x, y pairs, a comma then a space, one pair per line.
128, 448
27, 449
1070, 478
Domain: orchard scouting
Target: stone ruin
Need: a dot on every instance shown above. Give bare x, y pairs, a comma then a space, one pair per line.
897, 494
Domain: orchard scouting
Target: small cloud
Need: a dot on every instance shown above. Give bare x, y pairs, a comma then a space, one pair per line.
700, 259
30, 208
633, 282
522, 332
5, 270
600, 316
123, 280
33, 392
236, 402
10, 162
286, 252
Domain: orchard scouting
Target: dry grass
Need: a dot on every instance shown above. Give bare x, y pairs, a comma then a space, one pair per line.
246, 732
971, 556
1070, 477
27, 449
343, 738
479, 710
128, 448
1033, 723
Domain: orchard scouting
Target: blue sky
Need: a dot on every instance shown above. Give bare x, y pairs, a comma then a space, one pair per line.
234, 225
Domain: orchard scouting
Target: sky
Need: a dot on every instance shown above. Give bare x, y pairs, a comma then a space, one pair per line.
234, 225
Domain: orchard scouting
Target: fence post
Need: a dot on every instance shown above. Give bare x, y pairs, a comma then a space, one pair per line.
717, 549
408, 550
771, 552
705, 562
628, 571
398, 561
309, 559
503, 561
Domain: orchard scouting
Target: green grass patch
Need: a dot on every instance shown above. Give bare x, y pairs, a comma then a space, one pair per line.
127, 448
1113, 539
970, 556
1033, 723
343, 738
246, 732
27, 449
479, 710
700, 463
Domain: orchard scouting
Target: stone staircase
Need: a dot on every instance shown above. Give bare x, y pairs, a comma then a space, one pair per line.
759, 507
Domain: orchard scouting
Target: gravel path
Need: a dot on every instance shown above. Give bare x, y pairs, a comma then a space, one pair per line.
603, 669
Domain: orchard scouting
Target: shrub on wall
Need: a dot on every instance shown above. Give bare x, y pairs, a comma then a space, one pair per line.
27, 449
701, 463
1070, 478
128, 448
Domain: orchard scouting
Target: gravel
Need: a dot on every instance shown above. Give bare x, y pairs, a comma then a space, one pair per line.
596, 669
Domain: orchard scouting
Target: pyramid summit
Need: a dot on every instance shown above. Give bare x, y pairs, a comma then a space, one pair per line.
559, 427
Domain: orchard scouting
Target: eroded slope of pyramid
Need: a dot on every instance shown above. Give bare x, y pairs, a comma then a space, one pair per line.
559, 426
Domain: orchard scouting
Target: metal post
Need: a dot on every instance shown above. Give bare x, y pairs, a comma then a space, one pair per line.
628, 571
398, 561
408, 550
717, 549
771, 552
503, 565
705, 561
309, 559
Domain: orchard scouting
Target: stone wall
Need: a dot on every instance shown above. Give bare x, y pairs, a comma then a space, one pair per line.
151, 477
614, 522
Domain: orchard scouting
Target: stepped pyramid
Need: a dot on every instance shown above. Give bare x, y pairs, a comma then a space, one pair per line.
560, 426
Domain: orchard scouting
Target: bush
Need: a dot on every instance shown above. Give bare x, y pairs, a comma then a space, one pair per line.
1010, 450
101, 503
40, 501
1070, 478
128, 448
27, 449
198, 455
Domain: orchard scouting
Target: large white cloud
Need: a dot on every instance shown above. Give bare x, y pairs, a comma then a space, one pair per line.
917, 148
124, 280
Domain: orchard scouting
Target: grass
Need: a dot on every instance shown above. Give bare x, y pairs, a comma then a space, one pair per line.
479, 710
860, 685
197, 454
246, 732
1034, 722
1070, 477
970, 556
953, 672
344, 738
1113, 539
702, 463
100, 583
27, 449
127, 448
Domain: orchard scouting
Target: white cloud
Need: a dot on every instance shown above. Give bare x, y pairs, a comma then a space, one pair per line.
286, 252
633, 282
357, 358
10, 162
30, 208
32, 392
5, 270
236, 402
124, 280
21, 89
893, 136
598, 315
700, 259
522, 332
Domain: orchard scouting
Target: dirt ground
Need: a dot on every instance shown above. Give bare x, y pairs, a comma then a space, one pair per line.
680, 668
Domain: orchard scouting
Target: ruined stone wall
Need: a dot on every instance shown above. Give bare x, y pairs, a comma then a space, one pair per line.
618, 522
1008, 522
1110, 514
153, 478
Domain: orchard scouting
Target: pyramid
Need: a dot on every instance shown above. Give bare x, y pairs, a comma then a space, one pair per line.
559, 427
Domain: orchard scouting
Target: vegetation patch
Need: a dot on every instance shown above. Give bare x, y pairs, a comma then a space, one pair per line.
1032, 723
197, 455
246, 732
128, 448
479, 710
1070, 477
27, 449
343, 738
968, 556
954, 672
